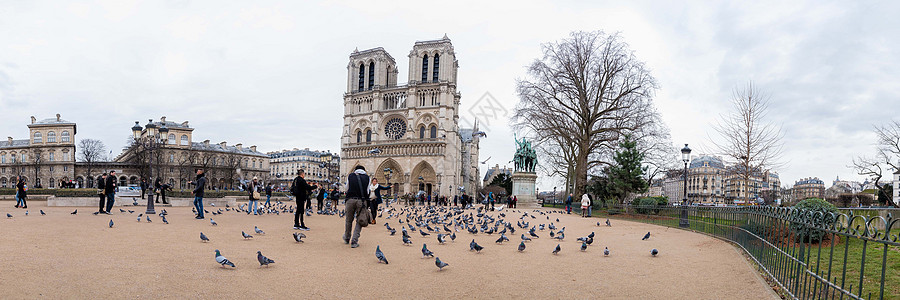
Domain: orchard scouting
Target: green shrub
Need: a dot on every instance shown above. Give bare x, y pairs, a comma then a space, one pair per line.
810, 234
645, 205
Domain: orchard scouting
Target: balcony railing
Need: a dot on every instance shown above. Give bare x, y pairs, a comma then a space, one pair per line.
401, 147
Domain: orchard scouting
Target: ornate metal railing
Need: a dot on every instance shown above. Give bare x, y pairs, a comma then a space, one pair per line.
809, 255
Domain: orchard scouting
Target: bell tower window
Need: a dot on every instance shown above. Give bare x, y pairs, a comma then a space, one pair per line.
437, 66
371, 75
425, 68
362, 77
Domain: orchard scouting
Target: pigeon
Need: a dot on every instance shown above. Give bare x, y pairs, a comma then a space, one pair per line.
441, 238
121, 210
521, 246
646, 236
555, 251
453, 236
439, 263
111, 223
583, 246
148, 219
263, 261
134, 203
164, 219
591, 236
589, 241
213, 222
654, 252
258, 231
607, 223
298, 236
138, 219
96, 213
423, 233
26, 212
476, 246
406, 241
380, 255
605, 251
525, 238
502, 239
74, 212
140, 215
426, 252
42, 213
222, 260
246, 236
203, 237
8, 215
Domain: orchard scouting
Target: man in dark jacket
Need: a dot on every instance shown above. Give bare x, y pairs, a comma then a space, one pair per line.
320, 199
199, 187
144, 187
357, 196
101, 190
268, 194
300, 189
110, 191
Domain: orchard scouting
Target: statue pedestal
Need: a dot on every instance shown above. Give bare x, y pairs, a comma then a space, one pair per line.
523, 189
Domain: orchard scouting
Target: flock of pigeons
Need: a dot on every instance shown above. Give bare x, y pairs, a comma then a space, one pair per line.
443, 222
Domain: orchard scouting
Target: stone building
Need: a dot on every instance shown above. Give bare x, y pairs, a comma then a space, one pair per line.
706, 180
492, 173
320, 166
178, 156
411, 129
46, 158
809, 188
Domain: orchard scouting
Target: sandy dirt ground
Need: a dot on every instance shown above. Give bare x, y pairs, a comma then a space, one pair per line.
78, 256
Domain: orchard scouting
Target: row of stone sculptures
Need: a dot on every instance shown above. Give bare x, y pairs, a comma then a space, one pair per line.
525, 158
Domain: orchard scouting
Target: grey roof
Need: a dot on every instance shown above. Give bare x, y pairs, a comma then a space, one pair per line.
219, 148
169, 125
52, 121
302, 152
713, 161
15, 143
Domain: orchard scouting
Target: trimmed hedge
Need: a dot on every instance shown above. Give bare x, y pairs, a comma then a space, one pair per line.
93, 192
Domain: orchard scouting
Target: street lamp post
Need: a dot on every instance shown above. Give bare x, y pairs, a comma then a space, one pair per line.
387, 176
686, 157
154, 140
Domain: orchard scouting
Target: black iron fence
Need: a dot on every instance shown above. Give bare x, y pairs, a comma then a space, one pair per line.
808, 255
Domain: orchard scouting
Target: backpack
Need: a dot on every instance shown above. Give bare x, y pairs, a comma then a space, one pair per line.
295, 189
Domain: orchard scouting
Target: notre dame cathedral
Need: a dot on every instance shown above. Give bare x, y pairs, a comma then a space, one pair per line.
410, 131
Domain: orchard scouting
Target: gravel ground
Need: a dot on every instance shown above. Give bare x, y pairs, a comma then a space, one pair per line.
78, 256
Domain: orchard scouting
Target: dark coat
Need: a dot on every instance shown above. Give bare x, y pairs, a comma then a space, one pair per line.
110, 186
200, 185
300, 188
20, 189
377, 193
356, 186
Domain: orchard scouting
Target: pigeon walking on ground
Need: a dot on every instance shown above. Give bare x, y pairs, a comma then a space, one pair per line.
525, 238
75, 212
213, 222
8, 215
441, 238
42, 213
258, 231
222, 260
95, 213
439, 263
646, 236
426, 252
203, 237
521, 246
607, 223
26, 212
583, 246
380, 255
654, 252
263, 261
406, 240
555, 251
606, 251
246, 236
298, 236
148, 219
164, 219
111, 223
475, 246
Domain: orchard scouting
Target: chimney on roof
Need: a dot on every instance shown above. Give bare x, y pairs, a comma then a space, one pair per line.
222, 144
295, 149
163, 119
33, 120
57, 118
10, 140
253, 148
185, 124
239, 146
206, 142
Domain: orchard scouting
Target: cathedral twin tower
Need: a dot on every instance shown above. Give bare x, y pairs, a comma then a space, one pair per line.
408, 135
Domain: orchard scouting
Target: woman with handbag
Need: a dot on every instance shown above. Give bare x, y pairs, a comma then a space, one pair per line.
254, 196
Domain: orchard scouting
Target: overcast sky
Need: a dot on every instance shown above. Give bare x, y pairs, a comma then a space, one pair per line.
272, 74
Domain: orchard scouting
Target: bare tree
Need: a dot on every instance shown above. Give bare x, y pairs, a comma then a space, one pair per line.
580, 98
37, 160
887, 157
747, 139
90, 153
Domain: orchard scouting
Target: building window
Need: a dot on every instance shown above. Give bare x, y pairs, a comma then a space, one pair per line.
51, 137
65, 168
51, 169
425, 68
64, 137
371, 75
52, 182
359, 136
171, 139
433, 132
184, 140
51, 154
368, 135
37, 138
65, 156
436, 64
362, 77
421, 132
3, 158
171, 158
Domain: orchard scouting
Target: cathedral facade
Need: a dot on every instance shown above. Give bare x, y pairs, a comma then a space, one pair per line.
409, 132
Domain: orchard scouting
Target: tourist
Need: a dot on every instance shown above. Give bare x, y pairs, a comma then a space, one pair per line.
357, 196
300, 189
375, 191
268, 194
110, 189
455, 200
585, 203
569, 204
21, 196
254, 188
320, 199
101, 190
515, 201
491, 200
160, 191
144, 187
200, 186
